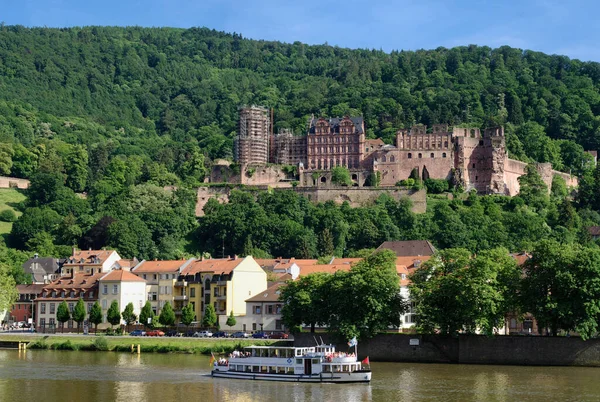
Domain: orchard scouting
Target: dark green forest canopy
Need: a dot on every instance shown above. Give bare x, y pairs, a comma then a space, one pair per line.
148, 90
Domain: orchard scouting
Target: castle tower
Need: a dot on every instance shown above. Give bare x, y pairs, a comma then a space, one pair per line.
252, 143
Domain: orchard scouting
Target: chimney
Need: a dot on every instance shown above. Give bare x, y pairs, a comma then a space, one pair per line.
90, 248
74, 251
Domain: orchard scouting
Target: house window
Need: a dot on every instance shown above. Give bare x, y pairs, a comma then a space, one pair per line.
193, 292
52, 322
278, 324
70, 324
81, 294
104, 304
154, 276
62, 294
52, 308
89, 307
144, 276
216, 292
257, 310
71, 306
270, 309
104, 289
278, 309
253, 326
42, 322
72, 293
43, 308
91, 295
115, 289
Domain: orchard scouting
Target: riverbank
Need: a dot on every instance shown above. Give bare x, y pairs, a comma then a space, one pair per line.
123, 344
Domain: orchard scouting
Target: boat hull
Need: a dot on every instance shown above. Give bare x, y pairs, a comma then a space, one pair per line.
354, 377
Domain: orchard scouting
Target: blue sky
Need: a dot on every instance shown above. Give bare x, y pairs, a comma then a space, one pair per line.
566, 27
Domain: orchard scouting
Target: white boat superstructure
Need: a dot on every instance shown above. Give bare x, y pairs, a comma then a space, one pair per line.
299, 364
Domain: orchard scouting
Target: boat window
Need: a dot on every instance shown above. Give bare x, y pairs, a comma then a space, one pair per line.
290, 370
298, 361
255, 369
264, 369
248, 369
326, 368
281, 370
315, 361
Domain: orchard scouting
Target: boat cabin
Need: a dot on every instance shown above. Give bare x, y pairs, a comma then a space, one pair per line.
293, 360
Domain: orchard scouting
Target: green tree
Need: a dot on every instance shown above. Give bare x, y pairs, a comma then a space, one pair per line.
62, 314
532, 189
560, 287
76, 168
128, 315
455, 292
341, 176
6, 154
96, 315
147, 313
305, 301
167, 315
210, 316
187, 315
113, 315
8, 288
79, 313
231, 321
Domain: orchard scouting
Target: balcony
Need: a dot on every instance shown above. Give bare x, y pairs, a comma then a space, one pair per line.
180, 297
181, 284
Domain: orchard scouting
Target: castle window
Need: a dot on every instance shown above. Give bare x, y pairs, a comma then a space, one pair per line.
480, 142
392, 159
409, 155
323, 179
476, 177
432, 156
383, 158
445, 144
444, 155
473, 166
420, 156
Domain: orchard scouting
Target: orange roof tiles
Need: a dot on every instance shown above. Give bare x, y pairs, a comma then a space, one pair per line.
159, 266
78, 281
220, 266
122, 276
87, 255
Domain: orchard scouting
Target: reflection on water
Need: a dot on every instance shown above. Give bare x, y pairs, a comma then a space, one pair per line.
93, 376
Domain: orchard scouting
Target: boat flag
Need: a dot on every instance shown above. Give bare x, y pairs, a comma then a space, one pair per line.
366, 361
212, 359
352, 342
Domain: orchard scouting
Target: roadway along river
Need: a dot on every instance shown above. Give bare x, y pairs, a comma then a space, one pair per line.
109, 376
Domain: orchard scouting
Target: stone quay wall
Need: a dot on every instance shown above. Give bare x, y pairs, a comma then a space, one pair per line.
470, 349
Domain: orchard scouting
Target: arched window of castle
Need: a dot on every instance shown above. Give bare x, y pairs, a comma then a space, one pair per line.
409, 155
323, 179
392, 159
383, 158
432, 155
473, 166
480, 142
420, 156
445, 144
444, 155
472, 133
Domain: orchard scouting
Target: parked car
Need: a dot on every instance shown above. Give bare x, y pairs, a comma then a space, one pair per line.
240, 334
279, 335
137, 332
260, 335
220, 334
203, 334
155, 332
189, 334
172, 332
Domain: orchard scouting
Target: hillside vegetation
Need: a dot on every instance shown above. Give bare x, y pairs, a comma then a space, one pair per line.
120, 113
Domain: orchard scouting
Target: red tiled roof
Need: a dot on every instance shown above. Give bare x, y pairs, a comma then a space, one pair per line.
121, 276
221, 266
159, 266
405, 248
30, 289
102, 255
78, 281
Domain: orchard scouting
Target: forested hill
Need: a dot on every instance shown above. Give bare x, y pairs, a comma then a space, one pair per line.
150, 90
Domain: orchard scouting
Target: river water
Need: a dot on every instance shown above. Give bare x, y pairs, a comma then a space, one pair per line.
109, 376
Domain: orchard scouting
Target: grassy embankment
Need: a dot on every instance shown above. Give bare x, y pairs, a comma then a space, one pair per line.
8, 198
123, 344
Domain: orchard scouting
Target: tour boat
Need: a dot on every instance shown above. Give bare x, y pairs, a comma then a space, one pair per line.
307, 364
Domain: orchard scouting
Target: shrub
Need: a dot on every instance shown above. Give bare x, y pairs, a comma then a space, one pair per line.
100, 343
8, 215
436, 186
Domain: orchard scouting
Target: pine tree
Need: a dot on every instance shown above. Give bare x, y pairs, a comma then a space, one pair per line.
210, 317
62, 314
113, 315
167, 315
231, 321
187, 315
147, 313
128, 315
79, 313
96, 315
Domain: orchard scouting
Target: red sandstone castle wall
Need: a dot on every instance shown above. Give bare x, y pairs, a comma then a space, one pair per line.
391, 172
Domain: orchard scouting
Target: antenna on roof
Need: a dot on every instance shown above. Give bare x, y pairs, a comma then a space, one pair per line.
322, 343
315, 338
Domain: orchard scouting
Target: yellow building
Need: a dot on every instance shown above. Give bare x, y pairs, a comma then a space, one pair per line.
223, 283
162, 282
